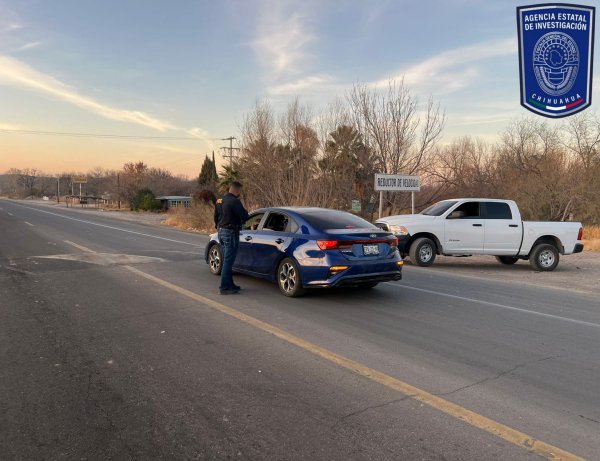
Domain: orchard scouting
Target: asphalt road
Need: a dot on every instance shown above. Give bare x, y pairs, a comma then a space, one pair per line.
112, 346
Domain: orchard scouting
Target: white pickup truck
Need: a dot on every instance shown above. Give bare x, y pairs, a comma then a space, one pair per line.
469, 226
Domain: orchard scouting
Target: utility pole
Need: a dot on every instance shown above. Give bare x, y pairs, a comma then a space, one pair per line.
58, 189
119, 190
230, 149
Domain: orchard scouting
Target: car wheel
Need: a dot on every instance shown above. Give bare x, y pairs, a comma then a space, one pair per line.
508, 260
288, 278
544, 257
215, 259
422, 252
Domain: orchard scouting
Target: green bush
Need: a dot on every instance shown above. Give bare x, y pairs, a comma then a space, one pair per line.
145, 200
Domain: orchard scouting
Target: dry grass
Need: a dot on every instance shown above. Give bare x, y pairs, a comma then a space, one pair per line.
197, 218
591, 238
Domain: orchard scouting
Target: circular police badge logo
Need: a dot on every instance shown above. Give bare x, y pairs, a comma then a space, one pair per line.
556, 62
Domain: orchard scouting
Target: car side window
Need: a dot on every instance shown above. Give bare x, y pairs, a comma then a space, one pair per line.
469, 210
292, 226
253, 222
276, 222
497, 210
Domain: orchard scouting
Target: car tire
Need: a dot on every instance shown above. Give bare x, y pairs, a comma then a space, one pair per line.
544, 257
422, 252
288, 279
506, 260
215, 259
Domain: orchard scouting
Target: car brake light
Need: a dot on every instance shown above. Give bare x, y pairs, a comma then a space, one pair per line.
333, 244
345, 244
580, 235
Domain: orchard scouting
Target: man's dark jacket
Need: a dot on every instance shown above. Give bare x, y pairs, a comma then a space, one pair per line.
230, 213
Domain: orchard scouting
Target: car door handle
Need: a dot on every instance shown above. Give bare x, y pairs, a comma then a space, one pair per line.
513, 225
248, 238
279, 241
477, 225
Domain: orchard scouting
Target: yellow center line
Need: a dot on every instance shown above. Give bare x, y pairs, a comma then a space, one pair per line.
507, 433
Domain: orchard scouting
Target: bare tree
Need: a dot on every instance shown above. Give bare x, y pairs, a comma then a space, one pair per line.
401, 138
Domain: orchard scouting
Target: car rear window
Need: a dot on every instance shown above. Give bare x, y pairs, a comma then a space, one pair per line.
332, 219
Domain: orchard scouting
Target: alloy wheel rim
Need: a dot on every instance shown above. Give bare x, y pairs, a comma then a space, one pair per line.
425, 253
214, 260
546, 258
287, 277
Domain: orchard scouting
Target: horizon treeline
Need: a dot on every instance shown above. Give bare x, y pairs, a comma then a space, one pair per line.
299, 157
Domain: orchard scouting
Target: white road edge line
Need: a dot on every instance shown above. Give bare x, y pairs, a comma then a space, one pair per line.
108, 227
502, 306
28, 223
9, 213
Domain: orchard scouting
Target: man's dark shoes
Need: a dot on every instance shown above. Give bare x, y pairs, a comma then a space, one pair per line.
237, 287
229, 291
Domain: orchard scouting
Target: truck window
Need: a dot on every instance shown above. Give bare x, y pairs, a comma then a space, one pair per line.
439, 208
470, 210
497, 210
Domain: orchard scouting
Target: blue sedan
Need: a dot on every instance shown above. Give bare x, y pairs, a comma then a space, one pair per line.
304, 248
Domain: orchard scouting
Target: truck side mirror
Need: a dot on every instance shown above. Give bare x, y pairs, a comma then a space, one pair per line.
456, 215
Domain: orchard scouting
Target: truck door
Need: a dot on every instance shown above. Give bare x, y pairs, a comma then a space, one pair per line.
503, 231
464, 230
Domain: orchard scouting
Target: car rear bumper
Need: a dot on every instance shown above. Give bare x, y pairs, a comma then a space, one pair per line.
354, 280
578, 248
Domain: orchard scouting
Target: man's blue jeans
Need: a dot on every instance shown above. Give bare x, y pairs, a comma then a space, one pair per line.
230, 241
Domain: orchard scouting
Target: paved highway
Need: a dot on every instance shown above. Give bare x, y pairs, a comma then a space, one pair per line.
115, 344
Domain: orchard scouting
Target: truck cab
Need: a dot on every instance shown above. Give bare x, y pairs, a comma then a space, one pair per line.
474, 226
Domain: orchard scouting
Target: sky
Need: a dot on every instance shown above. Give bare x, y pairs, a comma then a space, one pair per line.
192, 69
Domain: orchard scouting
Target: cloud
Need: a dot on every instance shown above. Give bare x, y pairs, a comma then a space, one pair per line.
282, 40
302, 85
10, 126
16, 73
454, 69
13, 26
29, 46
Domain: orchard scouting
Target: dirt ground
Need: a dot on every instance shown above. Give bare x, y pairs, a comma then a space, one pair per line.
140, 217
577, 272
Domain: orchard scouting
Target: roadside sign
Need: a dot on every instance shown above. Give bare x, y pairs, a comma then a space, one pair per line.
356, 206
397, 182
79, 180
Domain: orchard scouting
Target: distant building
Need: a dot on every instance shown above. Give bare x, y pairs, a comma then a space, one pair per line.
174, 201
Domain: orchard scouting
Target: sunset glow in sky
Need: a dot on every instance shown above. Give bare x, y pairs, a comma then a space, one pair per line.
193, 68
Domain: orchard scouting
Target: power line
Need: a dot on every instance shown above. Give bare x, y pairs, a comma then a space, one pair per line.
230, 149
105, 135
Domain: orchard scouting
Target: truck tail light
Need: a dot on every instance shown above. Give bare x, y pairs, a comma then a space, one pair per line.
580, 235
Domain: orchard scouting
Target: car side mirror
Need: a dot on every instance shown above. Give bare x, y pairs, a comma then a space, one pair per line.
456, 214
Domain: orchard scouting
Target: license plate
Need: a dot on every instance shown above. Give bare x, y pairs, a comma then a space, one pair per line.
371, 249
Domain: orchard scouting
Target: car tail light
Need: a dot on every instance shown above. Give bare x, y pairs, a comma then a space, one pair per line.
345, 244
580, 235
333, 244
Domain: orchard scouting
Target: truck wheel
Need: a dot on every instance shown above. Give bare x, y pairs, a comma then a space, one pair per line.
508, 260
422, 252
544, 257
288, 278
215, 259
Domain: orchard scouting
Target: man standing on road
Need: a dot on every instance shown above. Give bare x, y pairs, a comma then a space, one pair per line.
230, 214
